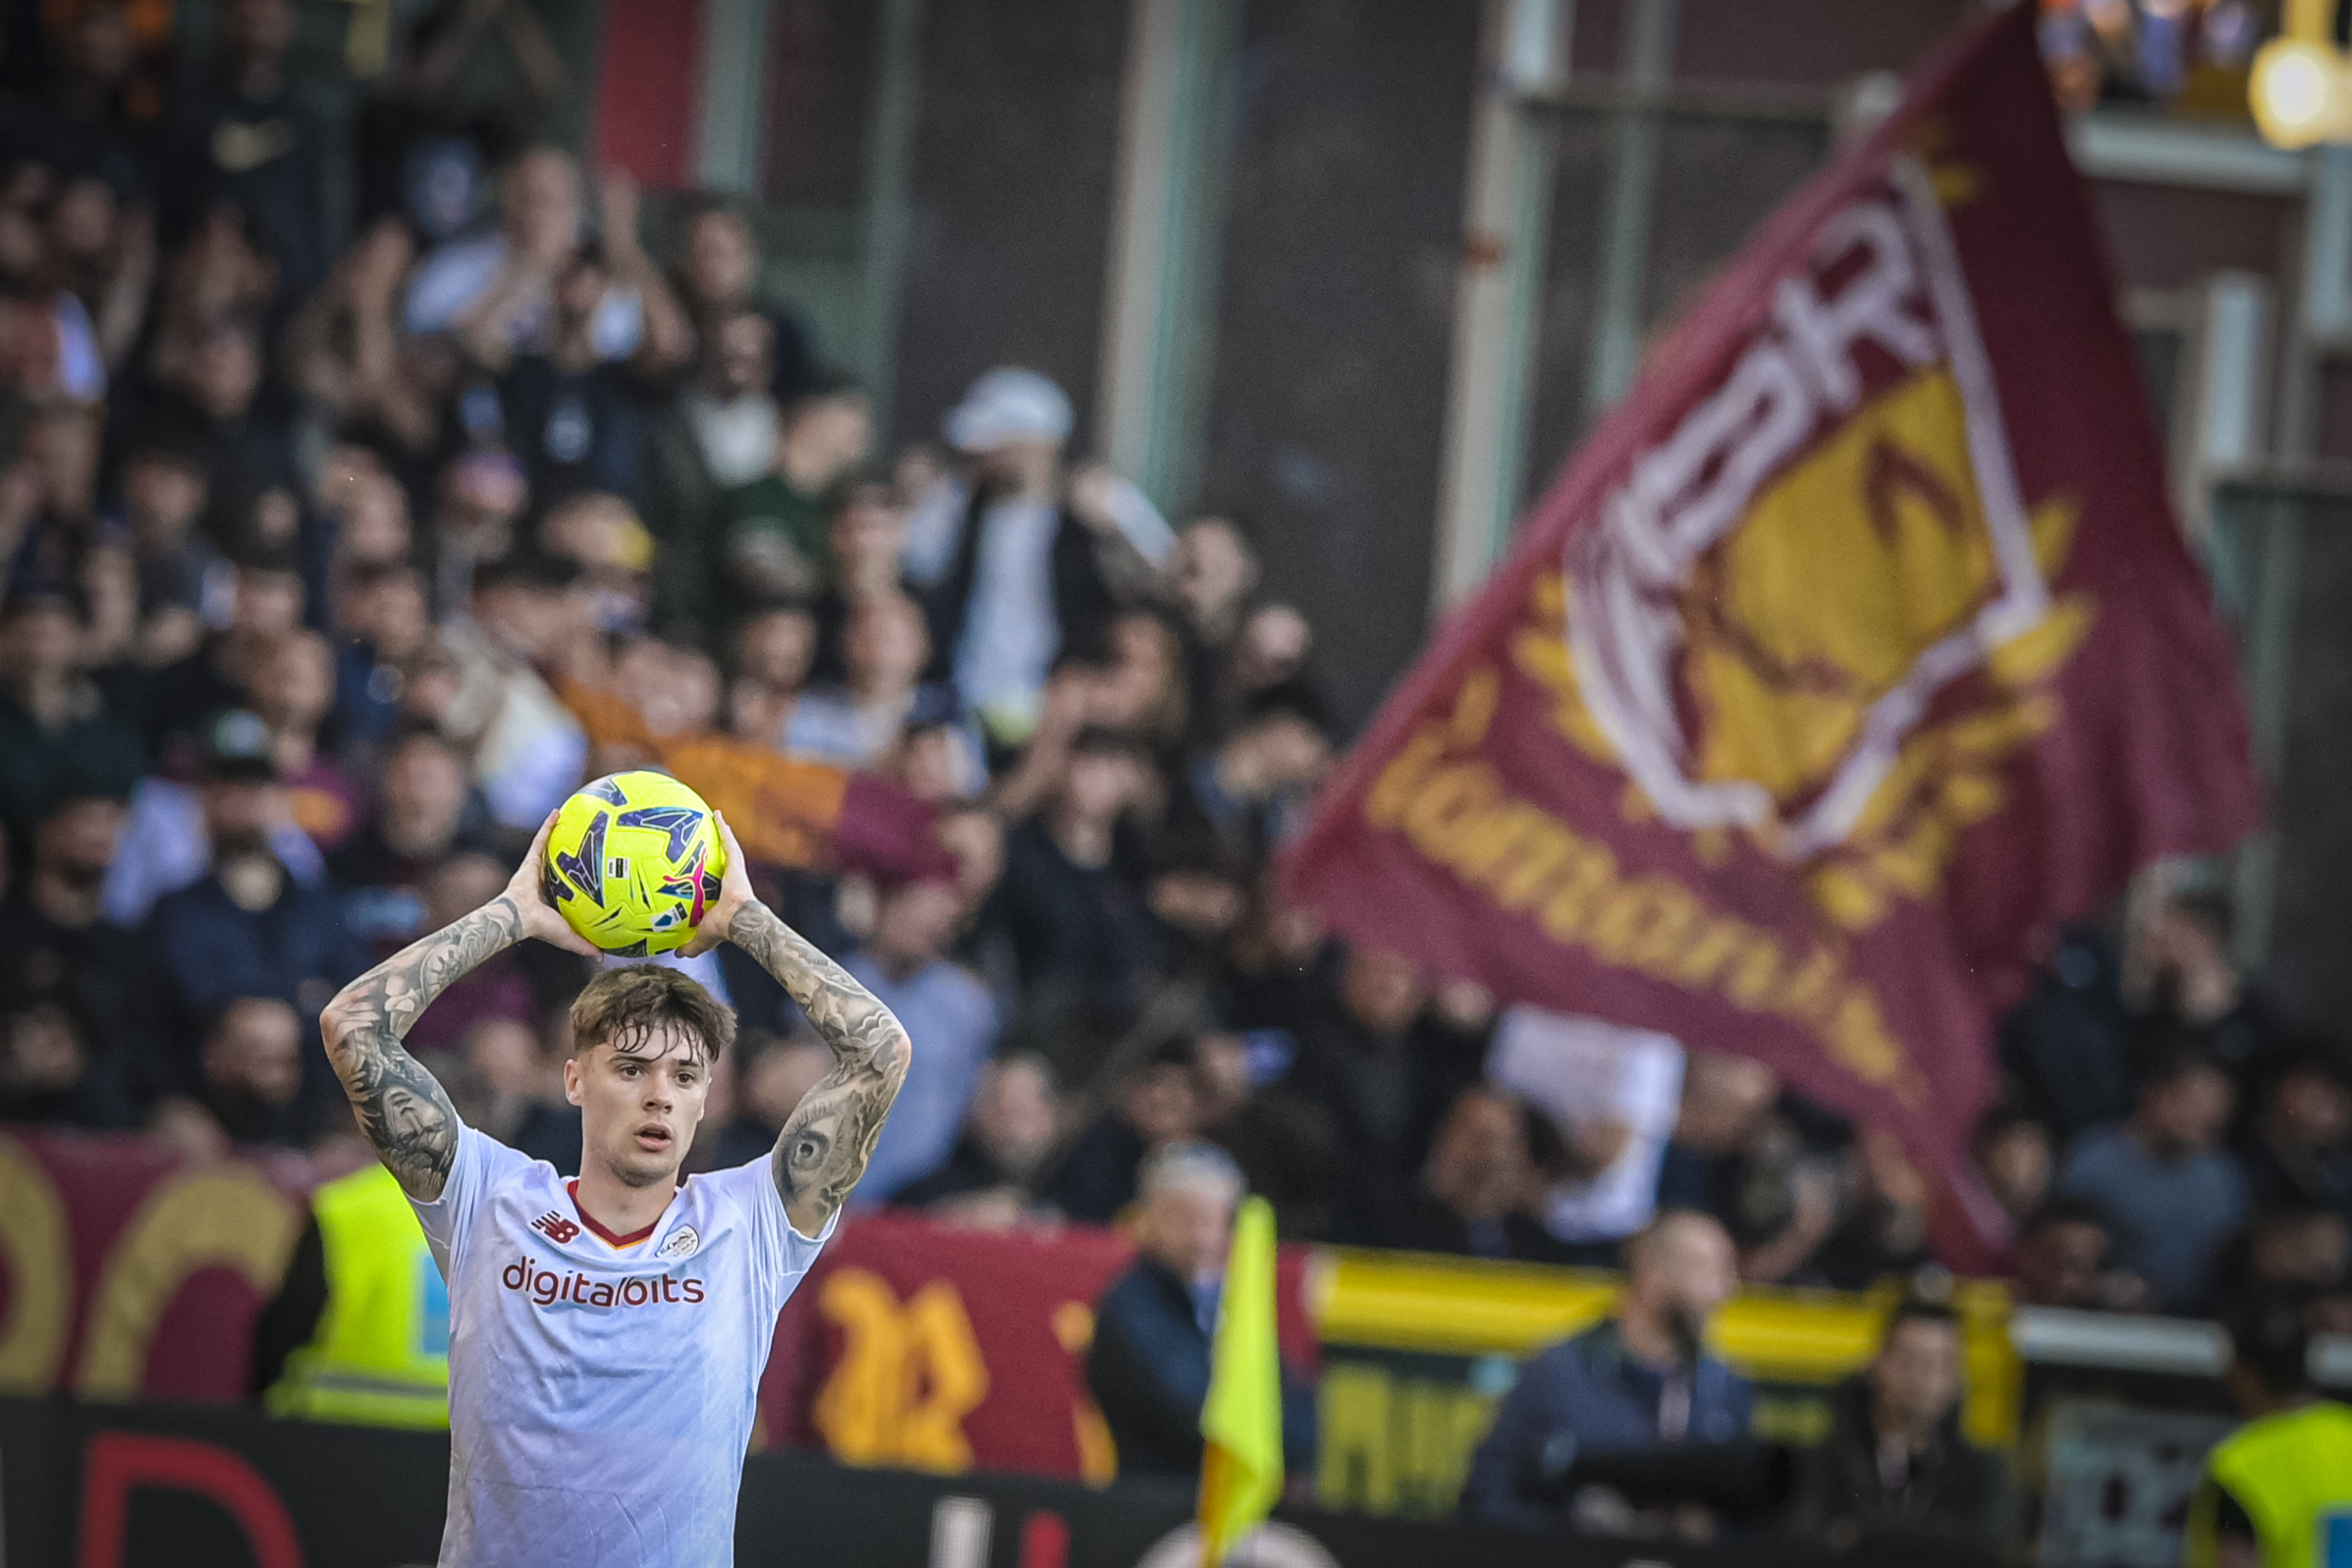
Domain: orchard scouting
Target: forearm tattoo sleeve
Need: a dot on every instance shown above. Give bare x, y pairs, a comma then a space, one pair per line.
830, 1136
402, 1108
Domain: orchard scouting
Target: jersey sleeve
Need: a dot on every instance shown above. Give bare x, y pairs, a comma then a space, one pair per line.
779, 1254
481, 1163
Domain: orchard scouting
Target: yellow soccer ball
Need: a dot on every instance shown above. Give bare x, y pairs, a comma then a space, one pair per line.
634, 862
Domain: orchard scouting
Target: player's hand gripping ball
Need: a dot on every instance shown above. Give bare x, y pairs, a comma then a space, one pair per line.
634, 862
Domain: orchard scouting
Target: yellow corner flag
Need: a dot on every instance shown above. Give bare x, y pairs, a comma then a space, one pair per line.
1241, 1469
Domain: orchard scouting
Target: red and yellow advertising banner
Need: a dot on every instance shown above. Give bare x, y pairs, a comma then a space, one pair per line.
126, 1274
935, 1348
1854, 649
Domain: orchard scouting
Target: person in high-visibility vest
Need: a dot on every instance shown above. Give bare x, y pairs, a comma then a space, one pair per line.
359, 1330
2278, 1493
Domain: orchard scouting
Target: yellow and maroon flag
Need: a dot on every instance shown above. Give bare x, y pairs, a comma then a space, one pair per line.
1856, 650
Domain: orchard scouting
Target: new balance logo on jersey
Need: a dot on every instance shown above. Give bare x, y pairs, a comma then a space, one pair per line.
548, 1288
555, 1227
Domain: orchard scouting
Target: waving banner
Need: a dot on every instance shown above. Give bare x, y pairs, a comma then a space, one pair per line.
1855, 648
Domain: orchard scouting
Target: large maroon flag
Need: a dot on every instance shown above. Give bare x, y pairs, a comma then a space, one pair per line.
1857, 647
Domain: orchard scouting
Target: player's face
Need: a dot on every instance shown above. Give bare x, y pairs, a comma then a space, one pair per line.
640, 1100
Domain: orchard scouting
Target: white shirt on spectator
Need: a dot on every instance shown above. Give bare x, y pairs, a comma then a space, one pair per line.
1584, 1070
456, 275
166, 848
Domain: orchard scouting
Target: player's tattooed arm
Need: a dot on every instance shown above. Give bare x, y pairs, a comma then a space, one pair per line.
830, 1136
401, 1106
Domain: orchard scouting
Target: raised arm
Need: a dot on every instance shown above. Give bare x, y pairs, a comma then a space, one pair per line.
830, 1136
402, 1108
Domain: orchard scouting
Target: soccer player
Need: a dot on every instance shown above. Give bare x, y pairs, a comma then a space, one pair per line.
607, 1334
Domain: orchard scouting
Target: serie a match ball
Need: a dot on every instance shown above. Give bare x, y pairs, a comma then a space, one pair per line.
634, 862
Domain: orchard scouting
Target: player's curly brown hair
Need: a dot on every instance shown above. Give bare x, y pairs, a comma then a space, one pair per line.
621, 1006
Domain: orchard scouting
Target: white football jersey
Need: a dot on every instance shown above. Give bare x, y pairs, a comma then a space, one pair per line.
602, 1388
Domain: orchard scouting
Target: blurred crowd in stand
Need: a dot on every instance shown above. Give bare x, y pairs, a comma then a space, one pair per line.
334, 557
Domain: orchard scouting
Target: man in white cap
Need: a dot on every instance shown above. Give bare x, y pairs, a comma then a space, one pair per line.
1018, 563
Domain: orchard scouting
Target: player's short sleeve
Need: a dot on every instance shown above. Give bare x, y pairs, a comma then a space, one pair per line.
779, 1254
481, 1163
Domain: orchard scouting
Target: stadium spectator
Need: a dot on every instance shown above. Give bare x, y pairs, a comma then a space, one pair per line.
502, 1083
529, 751
1216, 574
719, 434
248, 928
75, 975
185, 583
1070, 903
862, 722
1017, 561
2062, 1259
2300, 1146
168, 839
425, 812
1155, 1106
949, 1016
1894, 1474
1641, 1379
1479, 1184
1148, 1367
266, 602
772, 539
498, 990
1284, 1143
383, 620
718, 271
2069, 1043
292, 687
2013, 1155
2171, 1192
773, 1073
250, 1073
58, 737
1009, 1134
237, 138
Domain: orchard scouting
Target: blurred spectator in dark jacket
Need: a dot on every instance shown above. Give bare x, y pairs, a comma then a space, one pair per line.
425, 812
1149, 1365
1216, 573
1479, 1183
248, 1079
1895, 1473
2062, 1257
717, 435
2299, 1148
1154, 1107
2013, 1154
57, 735
186, 585
772, 1074
248, 928
1008, 1133
2069, 1042
1639, 1380
383, 622
1070, 901
2164, 1179
68, 979
2299, 1252
236, 136
2196, 992
1284, 1144
718, 271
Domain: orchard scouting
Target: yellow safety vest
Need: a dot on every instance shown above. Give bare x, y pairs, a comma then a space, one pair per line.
2292, 1473
380, 1357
